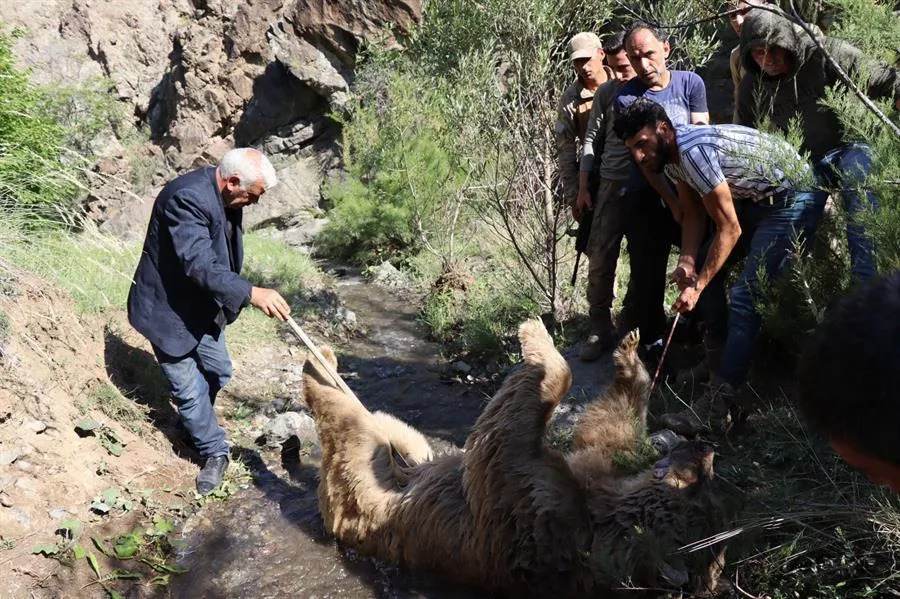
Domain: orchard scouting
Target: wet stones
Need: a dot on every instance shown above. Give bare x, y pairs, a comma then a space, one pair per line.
290, 424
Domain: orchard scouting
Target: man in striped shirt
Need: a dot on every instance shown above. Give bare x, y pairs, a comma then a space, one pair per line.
752, 186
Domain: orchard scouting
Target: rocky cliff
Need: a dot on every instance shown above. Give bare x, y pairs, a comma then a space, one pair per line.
201, 76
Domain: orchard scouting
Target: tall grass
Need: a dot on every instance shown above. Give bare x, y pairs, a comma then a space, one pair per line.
808, 525
96, 270
271, 263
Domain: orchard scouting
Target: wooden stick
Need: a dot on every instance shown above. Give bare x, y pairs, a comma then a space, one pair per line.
315, 352
663, 356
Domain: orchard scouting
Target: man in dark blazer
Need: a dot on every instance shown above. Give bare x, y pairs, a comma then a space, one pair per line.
187, 287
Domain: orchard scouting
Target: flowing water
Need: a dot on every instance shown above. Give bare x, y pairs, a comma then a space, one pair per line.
269, 540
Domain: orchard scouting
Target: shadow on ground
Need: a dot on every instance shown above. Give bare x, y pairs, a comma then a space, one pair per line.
137, 376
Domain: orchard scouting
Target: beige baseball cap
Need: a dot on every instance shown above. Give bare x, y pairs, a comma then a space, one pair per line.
584, 45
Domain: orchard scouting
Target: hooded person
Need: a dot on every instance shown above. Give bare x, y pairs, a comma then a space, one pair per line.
787, 76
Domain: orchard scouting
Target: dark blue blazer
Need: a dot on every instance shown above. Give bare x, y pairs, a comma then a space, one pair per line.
185, 274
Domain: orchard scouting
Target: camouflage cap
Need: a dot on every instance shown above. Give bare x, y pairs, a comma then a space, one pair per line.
584, 45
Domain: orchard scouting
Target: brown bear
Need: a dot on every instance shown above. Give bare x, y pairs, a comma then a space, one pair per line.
509, 514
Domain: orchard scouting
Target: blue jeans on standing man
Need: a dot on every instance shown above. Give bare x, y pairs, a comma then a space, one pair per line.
195, 379
845, 168
768, 237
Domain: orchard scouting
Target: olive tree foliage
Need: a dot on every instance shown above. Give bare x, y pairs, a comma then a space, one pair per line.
454, 133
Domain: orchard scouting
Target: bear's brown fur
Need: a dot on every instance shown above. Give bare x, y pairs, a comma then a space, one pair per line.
509, 514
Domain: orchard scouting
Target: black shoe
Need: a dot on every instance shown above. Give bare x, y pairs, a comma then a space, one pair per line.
597, 345
211, 474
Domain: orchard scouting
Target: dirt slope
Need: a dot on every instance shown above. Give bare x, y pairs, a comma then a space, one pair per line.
53, 375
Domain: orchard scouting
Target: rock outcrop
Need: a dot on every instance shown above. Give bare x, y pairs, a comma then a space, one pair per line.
202, 76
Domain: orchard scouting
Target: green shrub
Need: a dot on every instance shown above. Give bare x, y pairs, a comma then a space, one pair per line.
404, 168
33, 178
795, 304
368, 223
480, 320
87, 111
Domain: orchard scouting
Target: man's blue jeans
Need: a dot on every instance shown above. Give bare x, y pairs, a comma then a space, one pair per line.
195, 379
845, 169
768, 236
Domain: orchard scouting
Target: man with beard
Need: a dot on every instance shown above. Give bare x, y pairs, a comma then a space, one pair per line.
751, 185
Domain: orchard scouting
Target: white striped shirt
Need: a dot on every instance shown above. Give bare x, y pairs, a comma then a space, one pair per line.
755, 165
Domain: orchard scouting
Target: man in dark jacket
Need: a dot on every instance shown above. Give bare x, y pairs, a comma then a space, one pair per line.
787, 76
187, 287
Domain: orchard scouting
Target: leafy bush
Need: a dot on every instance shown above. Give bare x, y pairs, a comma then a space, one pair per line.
403, 164
33, 179
88, 112
798, 302
480, 320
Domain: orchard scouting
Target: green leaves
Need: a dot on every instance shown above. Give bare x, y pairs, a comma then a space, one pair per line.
87, 426
150, 546
108, 438
47, 549
32, 177
95, 566
109, 500
71, 527
127, 546
111, 442
162, 526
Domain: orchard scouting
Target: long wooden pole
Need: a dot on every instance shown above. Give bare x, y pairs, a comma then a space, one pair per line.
318, 355
663, 356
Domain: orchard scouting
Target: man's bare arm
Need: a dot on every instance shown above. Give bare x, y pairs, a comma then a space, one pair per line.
692, 225
720, 206
699, 118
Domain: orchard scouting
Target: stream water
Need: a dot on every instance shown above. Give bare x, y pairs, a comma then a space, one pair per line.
269, 540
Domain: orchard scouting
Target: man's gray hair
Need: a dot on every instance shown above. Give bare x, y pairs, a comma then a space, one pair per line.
249, 166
